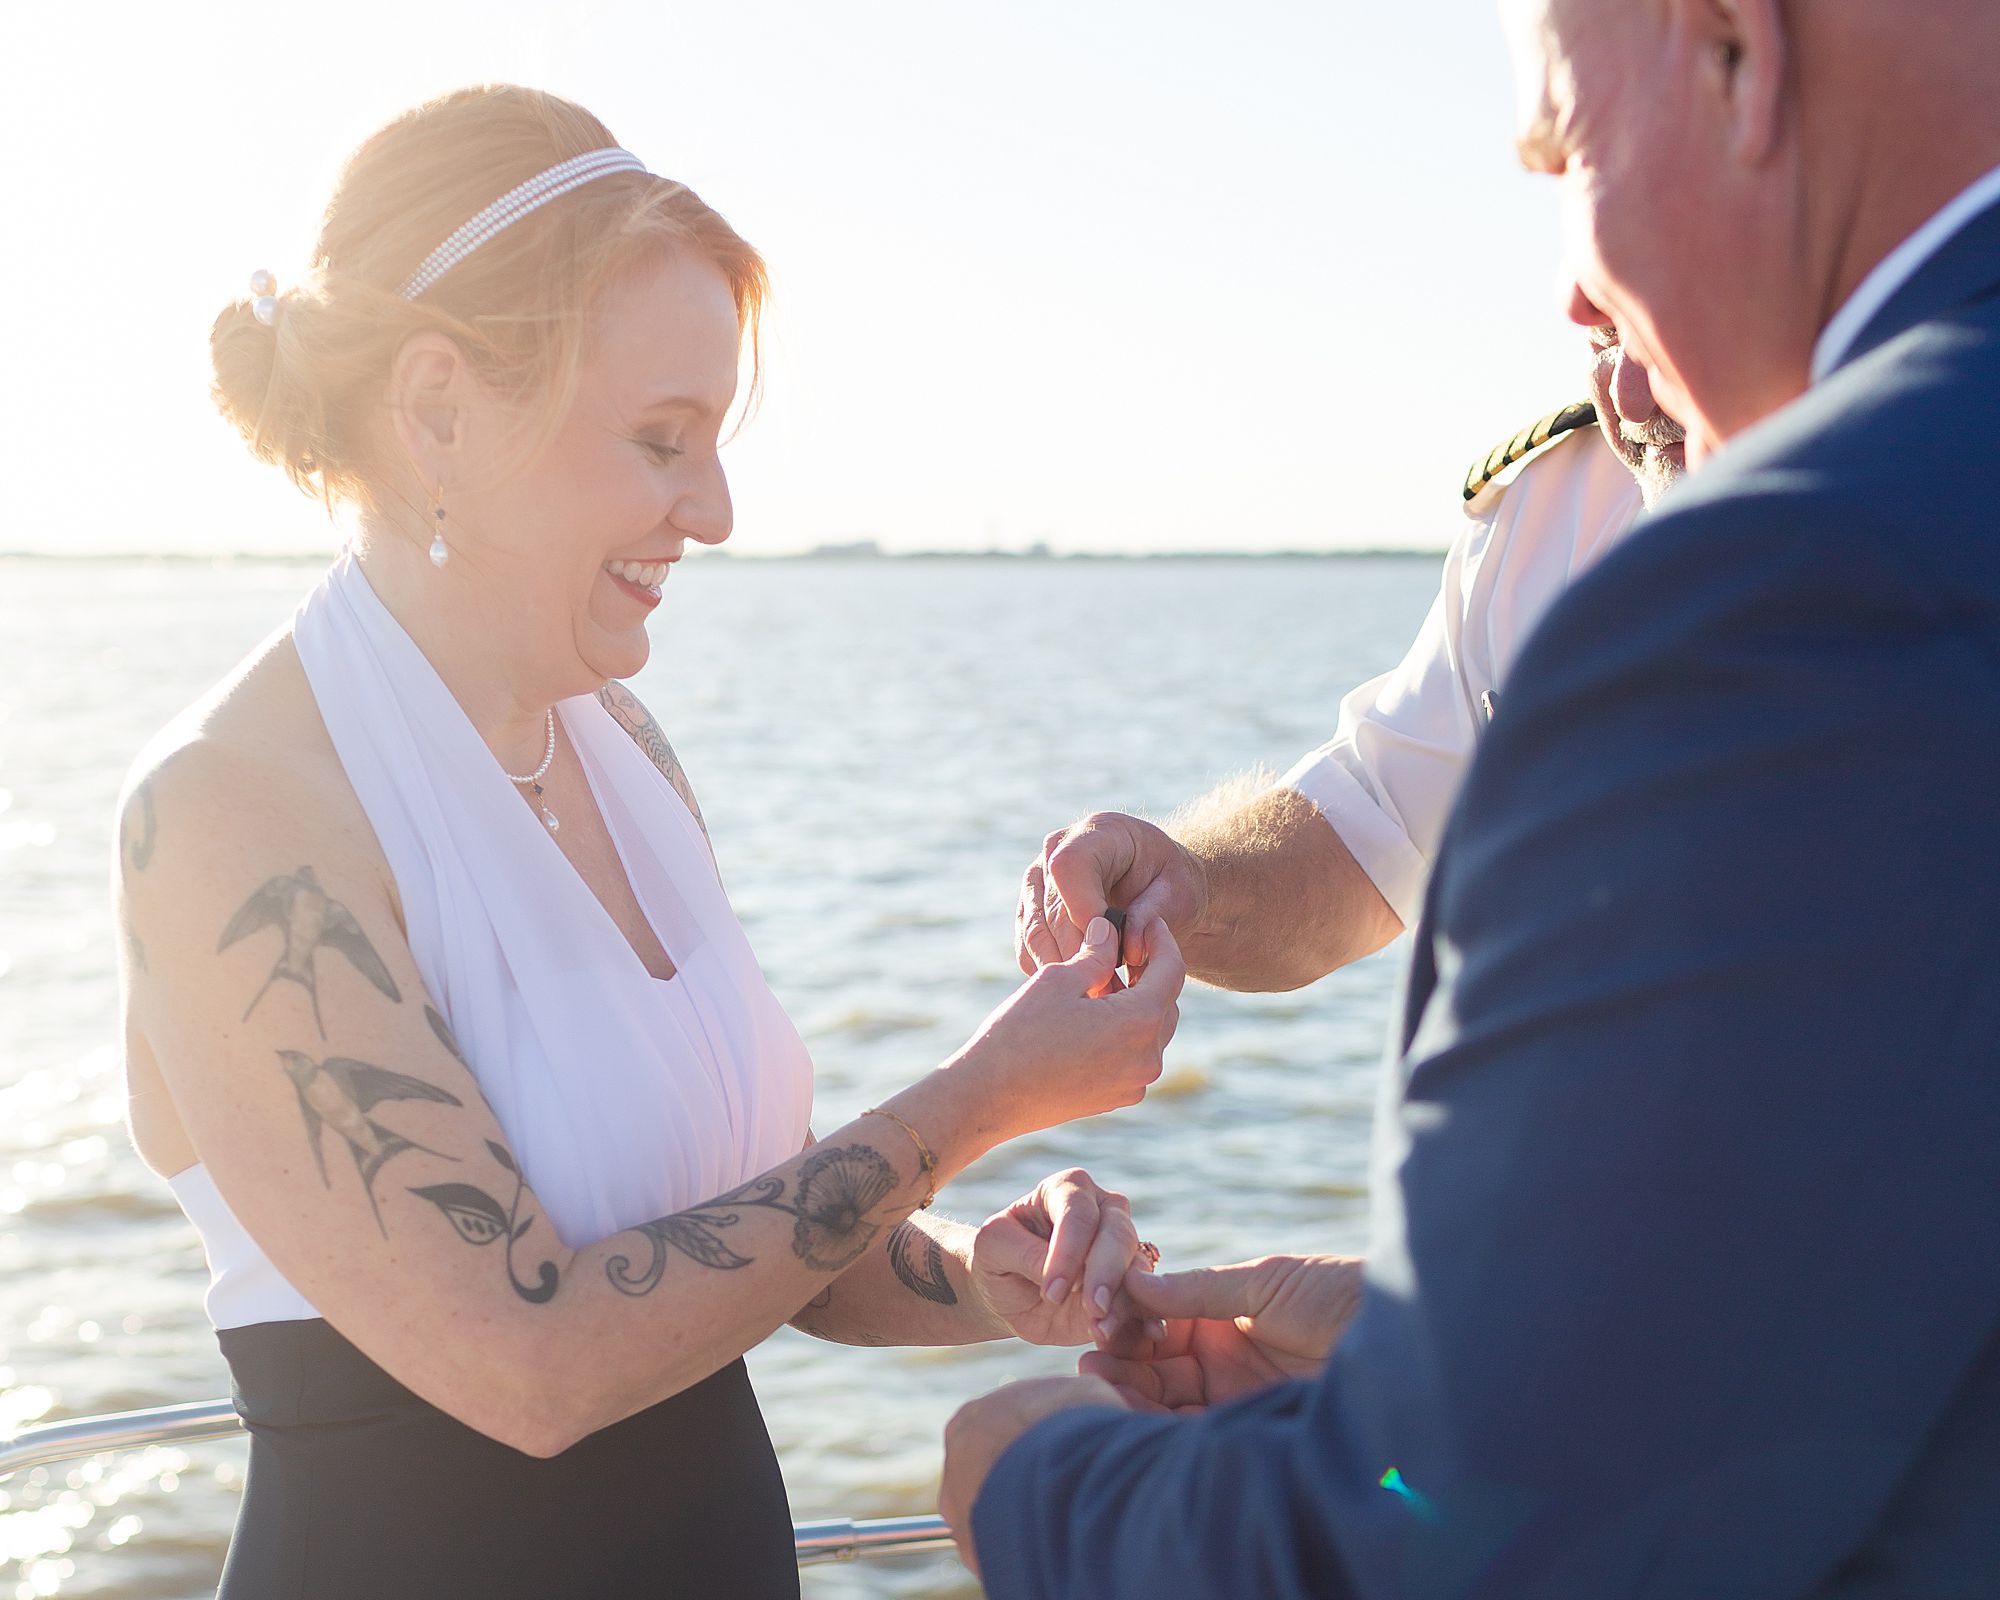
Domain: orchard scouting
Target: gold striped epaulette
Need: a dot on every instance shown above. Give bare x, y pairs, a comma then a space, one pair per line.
1525, 443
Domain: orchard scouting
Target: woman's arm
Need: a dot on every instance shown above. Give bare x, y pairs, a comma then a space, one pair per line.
1049, 1269
914, 1286
331, 1107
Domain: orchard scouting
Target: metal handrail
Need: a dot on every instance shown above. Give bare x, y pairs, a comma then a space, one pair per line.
829, 1539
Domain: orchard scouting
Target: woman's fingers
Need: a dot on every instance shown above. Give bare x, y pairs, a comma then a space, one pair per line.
1004, 1246
1114, 1249
1074, 1212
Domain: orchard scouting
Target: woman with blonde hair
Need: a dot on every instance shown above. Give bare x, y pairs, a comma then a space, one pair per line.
437, 1016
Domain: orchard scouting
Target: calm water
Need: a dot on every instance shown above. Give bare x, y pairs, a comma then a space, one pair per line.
879, 748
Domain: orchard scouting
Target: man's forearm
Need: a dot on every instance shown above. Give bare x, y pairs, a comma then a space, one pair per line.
1286, 902
914, 1287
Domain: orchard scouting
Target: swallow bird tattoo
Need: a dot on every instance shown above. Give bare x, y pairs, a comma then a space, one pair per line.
308, 918
339, 1093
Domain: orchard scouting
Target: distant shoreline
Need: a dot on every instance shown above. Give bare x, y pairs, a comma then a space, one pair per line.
828, 556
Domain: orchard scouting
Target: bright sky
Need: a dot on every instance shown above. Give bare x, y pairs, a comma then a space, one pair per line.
1113, 275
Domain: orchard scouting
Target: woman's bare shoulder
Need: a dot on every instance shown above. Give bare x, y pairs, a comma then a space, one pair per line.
249, 761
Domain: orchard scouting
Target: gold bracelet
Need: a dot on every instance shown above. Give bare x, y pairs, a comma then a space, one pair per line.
924, 1155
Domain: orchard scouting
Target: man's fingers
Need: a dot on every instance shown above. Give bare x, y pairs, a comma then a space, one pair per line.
1217, 1293
1137, 1377
1171, 1382
1161, 972
1080, 873
1148, 907
1037, 945
1067, 934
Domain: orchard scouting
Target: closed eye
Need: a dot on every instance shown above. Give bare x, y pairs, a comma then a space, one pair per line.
661, 453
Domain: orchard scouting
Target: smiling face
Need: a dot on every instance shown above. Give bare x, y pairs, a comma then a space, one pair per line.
576, 544
1667, 135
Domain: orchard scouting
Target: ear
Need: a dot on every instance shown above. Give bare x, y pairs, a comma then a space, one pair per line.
429, 385
1749, 54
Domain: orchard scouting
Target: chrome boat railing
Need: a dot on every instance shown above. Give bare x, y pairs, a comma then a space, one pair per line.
830, 1539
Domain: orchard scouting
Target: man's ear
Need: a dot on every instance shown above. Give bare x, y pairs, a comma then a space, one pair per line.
427, 392
1748, 51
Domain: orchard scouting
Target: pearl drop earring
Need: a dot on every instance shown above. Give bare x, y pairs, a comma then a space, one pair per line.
440, 551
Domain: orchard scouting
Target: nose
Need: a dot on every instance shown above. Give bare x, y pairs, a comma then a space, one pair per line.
1584, 311
705, 513
1632, 390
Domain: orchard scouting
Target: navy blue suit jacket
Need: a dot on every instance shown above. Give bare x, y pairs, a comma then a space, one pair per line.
1686, 1281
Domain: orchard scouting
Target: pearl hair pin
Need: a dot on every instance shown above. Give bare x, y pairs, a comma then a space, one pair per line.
265, 287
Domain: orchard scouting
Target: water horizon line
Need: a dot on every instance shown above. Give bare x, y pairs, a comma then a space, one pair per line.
823, 553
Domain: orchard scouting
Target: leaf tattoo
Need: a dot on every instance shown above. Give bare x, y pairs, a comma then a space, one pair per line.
308, 918
931, 1283
838, 1186
473, 1212
480, 1219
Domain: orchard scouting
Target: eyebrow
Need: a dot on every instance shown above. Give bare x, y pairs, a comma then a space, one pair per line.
676, 402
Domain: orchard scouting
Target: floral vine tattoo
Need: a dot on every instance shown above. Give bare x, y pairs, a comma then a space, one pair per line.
480, 1219
339, 1093
931, 1283
837, 1187
636, 720
308, 918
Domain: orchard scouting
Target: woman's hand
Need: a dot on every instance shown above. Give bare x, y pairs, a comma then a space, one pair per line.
1232, 1330
1052, 1266
1067, 1043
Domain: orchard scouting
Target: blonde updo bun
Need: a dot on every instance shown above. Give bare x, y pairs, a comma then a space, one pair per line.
305, 390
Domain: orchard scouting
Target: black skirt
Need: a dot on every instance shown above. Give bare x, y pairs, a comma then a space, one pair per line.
358, 1488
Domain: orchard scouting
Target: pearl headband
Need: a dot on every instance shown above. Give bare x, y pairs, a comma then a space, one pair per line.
515, 204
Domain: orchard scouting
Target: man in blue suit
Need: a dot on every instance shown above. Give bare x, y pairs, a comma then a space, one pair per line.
1686, 1276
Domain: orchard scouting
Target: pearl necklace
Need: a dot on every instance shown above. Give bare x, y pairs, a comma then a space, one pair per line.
535, 777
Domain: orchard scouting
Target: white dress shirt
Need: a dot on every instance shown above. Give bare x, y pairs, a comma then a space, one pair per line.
1387, 779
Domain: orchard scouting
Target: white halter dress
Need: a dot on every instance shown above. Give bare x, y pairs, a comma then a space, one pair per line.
624, 1097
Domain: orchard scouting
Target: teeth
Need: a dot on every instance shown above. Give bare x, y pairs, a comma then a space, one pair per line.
648, 575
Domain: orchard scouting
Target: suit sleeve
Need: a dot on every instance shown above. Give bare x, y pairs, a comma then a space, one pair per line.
1684, 1224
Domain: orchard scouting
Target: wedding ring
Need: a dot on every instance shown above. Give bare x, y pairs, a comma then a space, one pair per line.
1150, 1251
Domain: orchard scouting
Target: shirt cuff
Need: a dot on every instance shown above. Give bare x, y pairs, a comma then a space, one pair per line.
1377, 842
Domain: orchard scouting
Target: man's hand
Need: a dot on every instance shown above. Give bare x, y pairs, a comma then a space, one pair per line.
981, 1431
1052, 1266
1231, 1330
1106, 860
